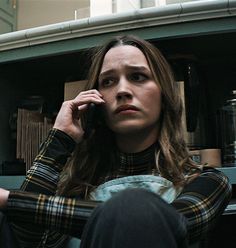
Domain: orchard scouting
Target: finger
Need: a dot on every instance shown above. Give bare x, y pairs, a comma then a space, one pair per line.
79, 110
85, 99
92, 91
87, 96
83, 107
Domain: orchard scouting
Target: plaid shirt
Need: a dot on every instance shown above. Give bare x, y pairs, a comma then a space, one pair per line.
201, 201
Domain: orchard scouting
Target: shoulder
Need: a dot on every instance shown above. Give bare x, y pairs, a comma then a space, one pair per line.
211, 180
213, 174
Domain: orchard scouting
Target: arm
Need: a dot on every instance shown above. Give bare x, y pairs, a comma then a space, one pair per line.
61, 214
203, 200
43, 176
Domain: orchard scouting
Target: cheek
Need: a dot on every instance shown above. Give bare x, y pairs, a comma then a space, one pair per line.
108, 97
155, 105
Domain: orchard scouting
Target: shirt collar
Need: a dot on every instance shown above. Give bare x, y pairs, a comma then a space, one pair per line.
145, 158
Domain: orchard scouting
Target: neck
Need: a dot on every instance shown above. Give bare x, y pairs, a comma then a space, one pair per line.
135, 142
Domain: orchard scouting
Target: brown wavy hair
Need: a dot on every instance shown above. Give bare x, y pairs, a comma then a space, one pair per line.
94, 158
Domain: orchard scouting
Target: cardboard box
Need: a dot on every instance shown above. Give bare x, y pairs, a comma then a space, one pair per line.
72, 89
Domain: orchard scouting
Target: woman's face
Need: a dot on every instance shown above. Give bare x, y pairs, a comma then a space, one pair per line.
132, 97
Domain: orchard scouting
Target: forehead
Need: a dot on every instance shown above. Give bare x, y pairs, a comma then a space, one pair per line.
125, 54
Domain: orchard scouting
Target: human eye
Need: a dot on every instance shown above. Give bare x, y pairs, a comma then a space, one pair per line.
138, 77
106, 82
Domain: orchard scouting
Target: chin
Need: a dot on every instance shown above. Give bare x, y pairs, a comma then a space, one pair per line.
127, 128
134, 127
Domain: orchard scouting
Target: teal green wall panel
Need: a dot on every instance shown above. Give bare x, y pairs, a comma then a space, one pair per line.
186, 29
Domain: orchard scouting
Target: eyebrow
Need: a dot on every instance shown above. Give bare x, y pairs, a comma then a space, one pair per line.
130, 67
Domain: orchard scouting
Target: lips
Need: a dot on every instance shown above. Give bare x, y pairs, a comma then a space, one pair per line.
125, 108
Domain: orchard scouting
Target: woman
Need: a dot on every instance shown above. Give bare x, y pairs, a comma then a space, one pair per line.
137, 143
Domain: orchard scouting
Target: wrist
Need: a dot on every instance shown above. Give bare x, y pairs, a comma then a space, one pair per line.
76, 137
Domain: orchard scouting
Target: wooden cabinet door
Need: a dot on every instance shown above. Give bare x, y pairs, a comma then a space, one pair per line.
7, 16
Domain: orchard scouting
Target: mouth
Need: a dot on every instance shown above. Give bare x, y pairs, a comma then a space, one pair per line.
126, 109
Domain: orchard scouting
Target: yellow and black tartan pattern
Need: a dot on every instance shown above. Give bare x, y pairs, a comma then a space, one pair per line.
202, 201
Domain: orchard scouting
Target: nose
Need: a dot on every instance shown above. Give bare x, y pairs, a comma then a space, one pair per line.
124, 90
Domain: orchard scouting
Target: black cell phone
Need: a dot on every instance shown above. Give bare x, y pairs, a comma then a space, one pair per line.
91, 119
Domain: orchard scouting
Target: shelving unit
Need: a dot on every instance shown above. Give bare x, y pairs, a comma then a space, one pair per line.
46, 57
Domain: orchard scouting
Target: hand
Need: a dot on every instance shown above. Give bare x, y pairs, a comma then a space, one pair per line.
68, 118
3, 198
